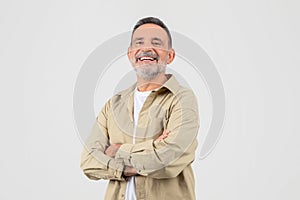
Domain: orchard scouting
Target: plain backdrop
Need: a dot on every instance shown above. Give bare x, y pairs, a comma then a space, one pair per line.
254, 44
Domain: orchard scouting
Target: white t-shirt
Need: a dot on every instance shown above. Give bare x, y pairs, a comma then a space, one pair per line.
139, 99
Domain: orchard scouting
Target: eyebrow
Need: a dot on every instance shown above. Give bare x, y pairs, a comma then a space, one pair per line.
156, 38
139, 38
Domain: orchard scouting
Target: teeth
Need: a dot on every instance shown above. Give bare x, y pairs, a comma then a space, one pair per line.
146, 58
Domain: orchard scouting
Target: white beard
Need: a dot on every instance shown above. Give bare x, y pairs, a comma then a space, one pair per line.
149, 71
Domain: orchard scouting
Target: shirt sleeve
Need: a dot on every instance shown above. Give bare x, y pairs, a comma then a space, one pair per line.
94, 163
167, 158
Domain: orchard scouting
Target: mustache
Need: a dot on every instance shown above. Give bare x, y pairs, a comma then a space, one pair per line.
146, 54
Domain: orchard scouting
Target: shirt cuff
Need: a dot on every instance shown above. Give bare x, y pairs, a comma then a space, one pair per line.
126, 150
124, 153
116, 167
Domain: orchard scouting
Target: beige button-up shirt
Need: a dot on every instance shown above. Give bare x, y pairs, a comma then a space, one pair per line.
164, 167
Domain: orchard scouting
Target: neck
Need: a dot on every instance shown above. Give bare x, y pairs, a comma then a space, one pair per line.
146, 85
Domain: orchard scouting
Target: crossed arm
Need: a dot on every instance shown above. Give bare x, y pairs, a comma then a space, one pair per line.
128, 170
164, 157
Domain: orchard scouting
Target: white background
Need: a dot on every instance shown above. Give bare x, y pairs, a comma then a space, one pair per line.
254, 45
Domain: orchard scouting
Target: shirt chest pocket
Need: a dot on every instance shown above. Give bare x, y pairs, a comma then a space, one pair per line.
156, 123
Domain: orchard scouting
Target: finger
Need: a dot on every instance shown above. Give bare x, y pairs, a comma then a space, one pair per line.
159, 139
128, 174
164, 135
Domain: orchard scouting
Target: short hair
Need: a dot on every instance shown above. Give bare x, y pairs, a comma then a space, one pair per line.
152, 20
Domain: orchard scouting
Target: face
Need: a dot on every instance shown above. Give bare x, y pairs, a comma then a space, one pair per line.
149, 52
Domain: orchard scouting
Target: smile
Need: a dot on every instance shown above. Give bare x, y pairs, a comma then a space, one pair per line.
146, 58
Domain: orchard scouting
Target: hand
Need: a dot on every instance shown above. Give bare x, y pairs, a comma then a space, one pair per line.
112, 150
163, 135
129, 171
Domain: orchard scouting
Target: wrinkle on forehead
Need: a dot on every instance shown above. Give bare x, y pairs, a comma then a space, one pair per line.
149, 31
150, 35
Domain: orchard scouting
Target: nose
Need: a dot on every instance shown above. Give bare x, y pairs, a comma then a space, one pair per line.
147, 45
146, 48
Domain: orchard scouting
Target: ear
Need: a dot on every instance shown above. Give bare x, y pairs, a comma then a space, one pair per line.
129, 56
129, 53
171, 56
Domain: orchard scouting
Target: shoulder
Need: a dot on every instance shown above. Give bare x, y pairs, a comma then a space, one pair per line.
119, 97
185, 96
178, 91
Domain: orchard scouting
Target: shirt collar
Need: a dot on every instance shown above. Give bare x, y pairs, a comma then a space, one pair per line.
171, 84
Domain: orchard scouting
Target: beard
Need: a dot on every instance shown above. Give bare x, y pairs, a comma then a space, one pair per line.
149, 71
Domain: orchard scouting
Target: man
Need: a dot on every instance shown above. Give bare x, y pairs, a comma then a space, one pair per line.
144, 138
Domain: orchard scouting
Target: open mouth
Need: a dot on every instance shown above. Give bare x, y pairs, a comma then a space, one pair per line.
146, 59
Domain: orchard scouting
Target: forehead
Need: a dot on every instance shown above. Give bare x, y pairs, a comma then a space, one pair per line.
150, 31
